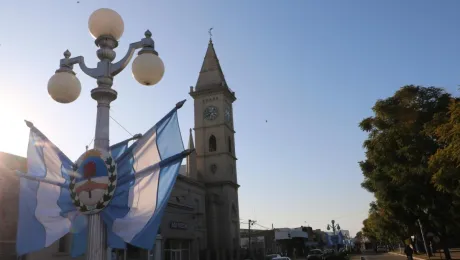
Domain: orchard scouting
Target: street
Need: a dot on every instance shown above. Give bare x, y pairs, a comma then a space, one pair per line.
372, 256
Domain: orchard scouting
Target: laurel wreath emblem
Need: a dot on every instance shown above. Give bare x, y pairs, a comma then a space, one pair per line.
108, 195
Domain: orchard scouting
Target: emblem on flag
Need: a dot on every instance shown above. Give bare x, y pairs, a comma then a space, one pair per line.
93, 191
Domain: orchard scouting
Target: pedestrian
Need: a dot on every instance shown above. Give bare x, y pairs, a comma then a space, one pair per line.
409, 252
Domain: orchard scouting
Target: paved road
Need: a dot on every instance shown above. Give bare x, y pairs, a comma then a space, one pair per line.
379, 257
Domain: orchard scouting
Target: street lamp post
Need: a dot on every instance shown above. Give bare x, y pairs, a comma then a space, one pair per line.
334, 227
106, 26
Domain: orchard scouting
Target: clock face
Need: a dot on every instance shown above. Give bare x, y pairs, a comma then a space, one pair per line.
211, 113
228, 114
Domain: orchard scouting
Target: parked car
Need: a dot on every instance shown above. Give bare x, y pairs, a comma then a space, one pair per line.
328, 253
315, 254
282, 258
382, 249
272, 256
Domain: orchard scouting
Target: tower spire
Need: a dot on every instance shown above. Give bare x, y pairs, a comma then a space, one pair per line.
211, 75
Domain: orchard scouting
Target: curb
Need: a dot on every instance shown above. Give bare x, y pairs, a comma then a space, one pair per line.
415, 258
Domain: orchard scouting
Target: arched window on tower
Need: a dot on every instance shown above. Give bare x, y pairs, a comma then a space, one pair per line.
212, 143
229, 144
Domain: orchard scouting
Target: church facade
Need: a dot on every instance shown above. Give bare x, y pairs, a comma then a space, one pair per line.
201, 220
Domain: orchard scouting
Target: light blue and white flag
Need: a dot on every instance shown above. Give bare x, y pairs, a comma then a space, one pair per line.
329, 240
45, 209
340, 238
147, 171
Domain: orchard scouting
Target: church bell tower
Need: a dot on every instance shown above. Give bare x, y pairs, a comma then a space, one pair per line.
215, 155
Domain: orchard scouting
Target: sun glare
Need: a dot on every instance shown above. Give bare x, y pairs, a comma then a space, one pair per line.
13, 131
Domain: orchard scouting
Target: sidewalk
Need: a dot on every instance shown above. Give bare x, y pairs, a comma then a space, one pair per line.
455, 254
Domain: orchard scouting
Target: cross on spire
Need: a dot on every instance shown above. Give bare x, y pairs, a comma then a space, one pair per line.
210, 33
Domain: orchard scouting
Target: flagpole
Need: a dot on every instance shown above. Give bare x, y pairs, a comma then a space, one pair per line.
107, 27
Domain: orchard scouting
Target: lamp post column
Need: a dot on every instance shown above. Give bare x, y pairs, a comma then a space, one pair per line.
104, 95
107, 27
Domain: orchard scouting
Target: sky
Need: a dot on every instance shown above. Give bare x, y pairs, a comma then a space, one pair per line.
305, 73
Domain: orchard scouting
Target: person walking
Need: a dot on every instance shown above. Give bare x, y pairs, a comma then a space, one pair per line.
409, 252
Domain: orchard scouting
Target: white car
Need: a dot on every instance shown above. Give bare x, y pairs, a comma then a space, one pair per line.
282, 258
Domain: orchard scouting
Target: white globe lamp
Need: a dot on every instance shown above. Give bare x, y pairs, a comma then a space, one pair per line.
64, 87
148, 69
106, 21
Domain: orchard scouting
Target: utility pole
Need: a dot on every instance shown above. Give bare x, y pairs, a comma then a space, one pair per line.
428, 253
250, 223
274, 240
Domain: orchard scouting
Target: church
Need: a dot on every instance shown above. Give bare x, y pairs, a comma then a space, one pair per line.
201, 220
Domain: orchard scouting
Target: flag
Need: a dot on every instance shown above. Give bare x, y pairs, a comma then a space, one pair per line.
340, 238
147, 172
45, 210
80, 224
328, 240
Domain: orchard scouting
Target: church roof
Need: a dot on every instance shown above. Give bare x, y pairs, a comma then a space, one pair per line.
211, 75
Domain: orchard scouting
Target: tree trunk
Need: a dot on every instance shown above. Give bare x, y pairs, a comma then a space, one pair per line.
445, 247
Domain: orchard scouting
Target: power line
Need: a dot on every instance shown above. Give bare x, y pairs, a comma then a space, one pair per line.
262, 226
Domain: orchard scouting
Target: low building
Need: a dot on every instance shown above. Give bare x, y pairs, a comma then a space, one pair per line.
260, 240
292, 241
9, 191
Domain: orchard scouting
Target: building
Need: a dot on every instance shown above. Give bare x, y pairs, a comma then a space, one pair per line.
290, 240
270, 241
9, 191
202, 217
261, 240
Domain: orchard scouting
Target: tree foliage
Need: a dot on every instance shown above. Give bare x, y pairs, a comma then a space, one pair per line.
446, 161
383, 226
412, 156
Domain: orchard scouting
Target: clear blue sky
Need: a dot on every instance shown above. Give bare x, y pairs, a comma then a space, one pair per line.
313, 69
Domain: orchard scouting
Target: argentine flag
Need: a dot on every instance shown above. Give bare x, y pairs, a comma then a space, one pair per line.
340, 238
44, 206
147, 171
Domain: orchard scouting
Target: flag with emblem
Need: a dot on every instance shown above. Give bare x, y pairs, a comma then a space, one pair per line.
147, 170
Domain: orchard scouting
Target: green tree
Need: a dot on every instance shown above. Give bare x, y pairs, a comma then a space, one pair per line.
446, 161
358, 239
398, 150
359, 236
384, 226
445, 164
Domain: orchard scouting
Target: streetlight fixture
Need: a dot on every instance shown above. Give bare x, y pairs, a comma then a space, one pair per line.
107, 27
334, 227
